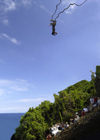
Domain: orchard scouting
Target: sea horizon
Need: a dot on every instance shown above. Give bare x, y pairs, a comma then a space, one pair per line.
13, 113
8, 123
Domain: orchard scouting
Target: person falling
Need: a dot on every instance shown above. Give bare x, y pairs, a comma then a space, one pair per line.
53, 24
53, 20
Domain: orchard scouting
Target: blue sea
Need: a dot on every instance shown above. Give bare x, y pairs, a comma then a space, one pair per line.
8, 124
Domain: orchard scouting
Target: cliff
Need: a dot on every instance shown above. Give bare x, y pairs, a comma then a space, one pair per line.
35, 124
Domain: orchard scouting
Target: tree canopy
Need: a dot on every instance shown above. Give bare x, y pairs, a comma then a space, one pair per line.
36, 122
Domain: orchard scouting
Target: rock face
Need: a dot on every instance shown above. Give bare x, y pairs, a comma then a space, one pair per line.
98, 81
13, 137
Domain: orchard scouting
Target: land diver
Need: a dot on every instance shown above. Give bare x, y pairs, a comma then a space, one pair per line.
53, 24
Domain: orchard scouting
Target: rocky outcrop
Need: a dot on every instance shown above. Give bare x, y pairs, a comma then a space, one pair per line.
98, 81
13, 137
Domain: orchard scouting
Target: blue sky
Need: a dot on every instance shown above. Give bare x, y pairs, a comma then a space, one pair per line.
34, 64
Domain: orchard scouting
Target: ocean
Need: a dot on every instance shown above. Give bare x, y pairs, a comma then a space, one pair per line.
8, 124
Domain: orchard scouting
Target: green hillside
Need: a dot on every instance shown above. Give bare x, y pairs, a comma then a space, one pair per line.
35, 124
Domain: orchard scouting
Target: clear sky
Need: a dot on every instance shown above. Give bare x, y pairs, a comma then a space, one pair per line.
34, 64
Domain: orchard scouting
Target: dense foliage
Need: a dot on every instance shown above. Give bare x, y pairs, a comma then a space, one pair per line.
34, 125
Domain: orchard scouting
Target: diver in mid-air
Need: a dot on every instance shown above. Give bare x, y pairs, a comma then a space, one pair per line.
53, 20
53, 24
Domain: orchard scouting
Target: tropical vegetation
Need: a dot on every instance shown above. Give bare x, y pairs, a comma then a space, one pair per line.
35, 124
